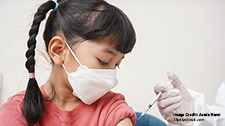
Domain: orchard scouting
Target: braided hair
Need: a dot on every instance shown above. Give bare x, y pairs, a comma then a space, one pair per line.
33, 103
75, 20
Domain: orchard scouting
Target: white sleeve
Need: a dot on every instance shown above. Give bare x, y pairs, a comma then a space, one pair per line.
210, 115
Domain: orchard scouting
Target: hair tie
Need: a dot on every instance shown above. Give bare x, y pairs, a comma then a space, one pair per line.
56, 6
31, 75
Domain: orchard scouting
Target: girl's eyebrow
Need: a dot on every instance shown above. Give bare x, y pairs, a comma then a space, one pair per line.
111, 51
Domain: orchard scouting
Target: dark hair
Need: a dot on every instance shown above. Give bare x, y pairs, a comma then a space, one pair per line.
76, 20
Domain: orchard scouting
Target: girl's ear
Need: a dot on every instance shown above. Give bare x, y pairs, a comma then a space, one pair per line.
56, 50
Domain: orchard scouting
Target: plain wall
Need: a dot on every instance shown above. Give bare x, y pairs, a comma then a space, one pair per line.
184, 35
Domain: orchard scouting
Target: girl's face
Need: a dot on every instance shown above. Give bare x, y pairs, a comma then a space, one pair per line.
94, 55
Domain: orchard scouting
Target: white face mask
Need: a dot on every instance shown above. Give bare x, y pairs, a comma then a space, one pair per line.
90, 84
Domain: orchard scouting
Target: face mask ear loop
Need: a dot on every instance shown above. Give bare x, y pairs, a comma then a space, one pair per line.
65, 69
73, 53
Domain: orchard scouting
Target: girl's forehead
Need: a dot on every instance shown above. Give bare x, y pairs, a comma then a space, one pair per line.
99, 45
103, 47
107, 42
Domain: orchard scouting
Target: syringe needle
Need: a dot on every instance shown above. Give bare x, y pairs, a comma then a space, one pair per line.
155, 99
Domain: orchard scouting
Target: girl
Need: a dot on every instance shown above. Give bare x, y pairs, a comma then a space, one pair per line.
86, 40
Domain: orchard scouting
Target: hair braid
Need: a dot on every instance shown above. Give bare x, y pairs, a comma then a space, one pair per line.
33, 102
76, 20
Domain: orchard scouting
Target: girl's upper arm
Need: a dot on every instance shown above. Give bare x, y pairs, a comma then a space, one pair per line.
125, 122
11, 115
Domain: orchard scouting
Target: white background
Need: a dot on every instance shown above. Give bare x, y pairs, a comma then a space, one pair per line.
184, 35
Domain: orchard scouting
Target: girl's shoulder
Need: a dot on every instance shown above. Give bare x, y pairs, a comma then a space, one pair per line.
111, 98
114, 95
14, 103
11, 111
17, 98
114, 108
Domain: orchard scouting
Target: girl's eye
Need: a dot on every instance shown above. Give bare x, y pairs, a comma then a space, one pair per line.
106, 64
103, 63
117, 66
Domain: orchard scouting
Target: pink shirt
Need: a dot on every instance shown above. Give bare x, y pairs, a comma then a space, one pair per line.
109, 110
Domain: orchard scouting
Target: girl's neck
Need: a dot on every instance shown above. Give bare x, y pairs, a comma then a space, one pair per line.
60, 91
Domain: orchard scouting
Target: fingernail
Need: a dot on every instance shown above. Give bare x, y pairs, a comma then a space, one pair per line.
170, 73
176, 99
162, 105
168, 118
175, 92
163, 86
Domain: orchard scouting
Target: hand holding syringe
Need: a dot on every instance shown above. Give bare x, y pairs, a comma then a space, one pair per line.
156, 98
176, 99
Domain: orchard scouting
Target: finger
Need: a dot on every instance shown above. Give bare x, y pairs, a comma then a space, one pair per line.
159, 87
176, 81
170, 93
168, 111
164, 103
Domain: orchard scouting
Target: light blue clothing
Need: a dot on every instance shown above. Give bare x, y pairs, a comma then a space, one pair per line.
148, 120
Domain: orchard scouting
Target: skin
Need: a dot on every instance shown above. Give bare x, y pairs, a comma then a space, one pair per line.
95, 55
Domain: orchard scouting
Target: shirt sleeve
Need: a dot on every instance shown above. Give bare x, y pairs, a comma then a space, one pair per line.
118, 111
11, 114
217, 108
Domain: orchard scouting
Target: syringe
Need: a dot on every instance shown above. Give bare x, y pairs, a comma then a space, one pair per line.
156, 98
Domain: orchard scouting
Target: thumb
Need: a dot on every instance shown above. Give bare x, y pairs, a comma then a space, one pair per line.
176, 81
178, 84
